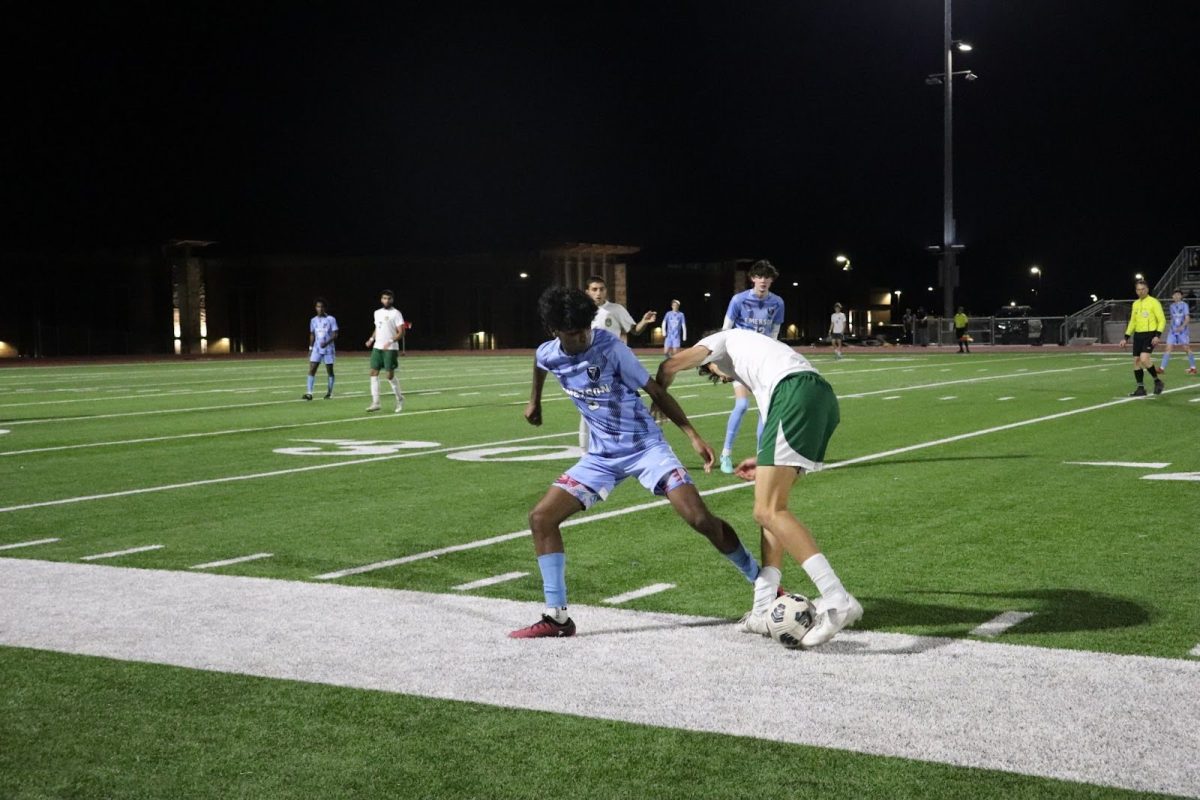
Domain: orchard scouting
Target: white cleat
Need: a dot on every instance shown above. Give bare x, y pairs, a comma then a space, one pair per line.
399, 404
373, 407
831, 619
754, 623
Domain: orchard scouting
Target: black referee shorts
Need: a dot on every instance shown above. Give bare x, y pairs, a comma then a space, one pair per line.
1141, 342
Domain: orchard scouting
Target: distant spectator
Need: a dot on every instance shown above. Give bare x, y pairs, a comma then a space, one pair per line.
960, 331
921, 326
908, 320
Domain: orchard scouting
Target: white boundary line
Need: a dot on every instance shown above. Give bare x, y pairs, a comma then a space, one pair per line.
1195, 651
492, 581
1133, 464
116, 553
636, 594
15, 545
1001, 622
1024, 373
228, 561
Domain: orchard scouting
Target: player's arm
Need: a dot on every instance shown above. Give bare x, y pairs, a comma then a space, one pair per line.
683, 329
371, 339
648, 318
670, 407
683, 360
312, 338
533, 411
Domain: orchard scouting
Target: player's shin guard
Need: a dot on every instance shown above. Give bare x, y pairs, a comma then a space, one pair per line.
735, 422
553, 567
310, 384
395, 383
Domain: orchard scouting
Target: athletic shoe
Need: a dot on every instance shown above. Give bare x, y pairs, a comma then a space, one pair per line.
308, 397
399, 405
1158, 387
375, 406
328, 395
1140, 391
1162, 370
1191, 370
831, 619
546, 627
727, 465
754, 623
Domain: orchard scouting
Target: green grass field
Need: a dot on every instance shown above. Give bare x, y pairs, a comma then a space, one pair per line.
959, 504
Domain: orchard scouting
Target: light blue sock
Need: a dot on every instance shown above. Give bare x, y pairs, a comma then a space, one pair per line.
310, 384
554, 579
1163, 365
1192, 360
735, 422
329, 384
743, 559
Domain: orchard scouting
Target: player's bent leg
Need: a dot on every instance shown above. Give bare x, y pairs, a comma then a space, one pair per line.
688, 504
544, 521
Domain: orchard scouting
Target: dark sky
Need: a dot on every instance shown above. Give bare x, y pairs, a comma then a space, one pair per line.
793, 130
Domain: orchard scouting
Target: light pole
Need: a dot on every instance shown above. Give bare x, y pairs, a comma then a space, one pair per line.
845, 262
1036, 270
948, 252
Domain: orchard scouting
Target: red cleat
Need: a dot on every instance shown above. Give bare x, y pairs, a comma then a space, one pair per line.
780, 592
1191, 371
545, 627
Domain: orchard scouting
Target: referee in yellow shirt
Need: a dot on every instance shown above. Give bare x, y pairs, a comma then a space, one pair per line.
1146, 324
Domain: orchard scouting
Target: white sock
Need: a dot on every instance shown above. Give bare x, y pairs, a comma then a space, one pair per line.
375, 389
583, 434
766, 586
559, 615
725, 453
823, 576
396, 388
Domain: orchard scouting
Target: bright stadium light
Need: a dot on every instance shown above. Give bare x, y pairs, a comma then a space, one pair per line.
963, 47
845, 262
524, 275
1094, 298
1139, 276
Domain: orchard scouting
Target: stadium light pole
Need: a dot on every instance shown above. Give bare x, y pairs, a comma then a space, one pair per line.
845, 262
948, 252
1036, 270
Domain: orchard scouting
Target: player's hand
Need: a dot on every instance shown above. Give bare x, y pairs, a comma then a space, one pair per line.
705, 452
370, 341
747, 469
533, 413
1124, 343
1154, 341
649, 316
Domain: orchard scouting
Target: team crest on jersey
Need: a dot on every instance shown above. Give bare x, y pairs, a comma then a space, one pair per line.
771, 311
593, 374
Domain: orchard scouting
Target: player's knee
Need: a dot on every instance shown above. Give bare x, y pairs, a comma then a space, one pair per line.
767, 516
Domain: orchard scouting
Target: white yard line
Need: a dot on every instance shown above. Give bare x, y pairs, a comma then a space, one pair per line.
1002, 399
949, 397
228, 561
637, 594
1023, 373
892, 397
1064, 399
31, 543
1002, 622
492, 581
1133, 464
1097, 718
115, 553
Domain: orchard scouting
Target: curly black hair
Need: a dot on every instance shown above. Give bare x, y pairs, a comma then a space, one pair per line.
763, 269
563, 309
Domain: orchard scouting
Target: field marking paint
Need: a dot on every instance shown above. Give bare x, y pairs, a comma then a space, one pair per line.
1022, 373
1173, 476
115, 553
30, 543
228, 561
1002, 622
949, 397
508, 537
636, 594
1194, 400
1134, 464
1062, 714
468, 394
893, 397
1195, 651
1002, 399
509, 394
147, 439
492, 581
1064, 399
270, 474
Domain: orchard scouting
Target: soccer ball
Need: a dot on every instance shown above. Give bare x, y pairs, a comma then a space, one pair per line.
790, 618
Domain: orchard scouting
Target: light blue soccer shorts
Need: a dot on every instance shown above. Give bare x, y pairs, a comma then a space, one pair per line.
672, 341
321, 355
1179, 338
595, 475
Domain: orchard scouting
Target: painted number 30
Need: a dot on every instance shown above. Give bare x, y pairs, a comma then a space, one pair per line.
351, 447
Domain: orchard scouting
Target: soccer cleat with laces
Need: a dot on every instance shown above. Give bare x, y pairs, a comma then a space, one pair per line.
831, 619
1140, 391
1158, 387
545, 628
727, 465
754, 623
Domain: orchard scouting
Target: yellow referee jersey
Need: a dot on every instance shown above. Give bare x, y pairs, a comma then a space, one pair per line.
1146, 316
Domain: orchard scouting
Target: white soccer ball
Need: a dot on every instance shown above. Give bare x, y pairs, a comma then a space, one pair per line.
790, 618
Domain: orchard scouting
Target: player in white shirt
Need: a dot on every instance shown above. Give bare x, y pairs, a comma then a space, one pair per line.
614, 318
385, 349
837, 329
801, 413
322, 331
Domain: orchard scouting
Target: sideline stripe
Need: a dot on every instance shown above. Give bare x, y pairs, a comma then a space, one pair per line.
15, 545
508, 537
492, 581
271, 474
949, 397
645, 591
116, 553
1099, 718
1002, 622
1134, 464
228, 561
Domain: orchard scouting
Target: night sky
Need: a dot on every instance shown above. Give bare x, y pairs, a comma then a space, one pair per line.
791, 130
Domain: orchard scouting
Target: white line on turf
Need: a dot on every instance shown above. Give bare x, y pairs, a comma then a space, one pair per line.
1023, 373
1097, 718
949, 397
468, 394
492, 581
892, 397
1002, 622
508, 537
1195, 651
226, 562
30, 543
115, 553
270, 474
1063, 399
1134, 464
1002, 399
636, 594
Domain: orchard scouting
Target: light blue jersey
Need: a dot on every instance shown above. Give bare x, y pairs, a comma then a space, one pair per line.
604, 381
674, 328
1177, 328
747, 312
322, 329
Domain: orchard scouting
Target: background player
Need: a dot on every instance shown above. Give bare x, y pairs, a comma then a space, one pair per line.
755, 310
1178, 332
385, 349
674, 329
801, 413
837, 329
602, 376
1146, 322
322, 331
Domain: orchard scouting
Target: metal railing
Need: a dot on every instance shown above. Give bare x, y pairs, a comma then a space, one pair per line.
1183, 272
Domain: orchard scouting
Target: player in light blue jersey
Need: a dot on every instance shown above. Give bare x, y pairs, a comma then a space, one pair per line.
674, 330
603, 376
752, 310
1178, 320
322, 332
